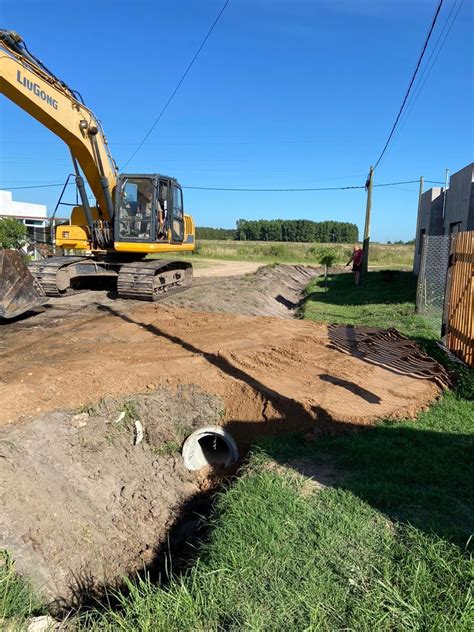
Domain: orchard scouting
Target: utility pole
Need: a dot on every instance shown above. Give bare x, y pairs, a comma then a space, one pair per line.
422, 182
368, 208
445, 192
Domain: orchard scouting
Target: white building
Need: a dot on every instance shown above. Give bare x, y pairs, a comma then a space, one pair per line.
34, 215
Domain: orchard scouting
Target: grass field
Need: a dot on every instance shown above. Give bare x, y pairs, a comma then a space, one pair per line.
381, 255
383, 545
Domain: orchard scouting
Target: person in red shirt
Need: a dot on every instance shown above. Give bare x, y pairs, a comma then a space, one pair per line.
356, 259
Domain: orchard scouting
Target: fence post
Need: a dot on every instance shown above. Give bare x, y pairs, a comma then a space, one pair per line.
447, 293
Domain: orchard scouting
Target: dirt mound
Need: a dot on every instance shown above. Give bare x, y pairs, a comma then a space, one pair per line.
270, 291
90, 506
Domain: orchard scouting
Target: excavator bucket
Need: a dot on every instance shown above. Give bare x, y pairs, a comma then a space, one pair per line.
19, 290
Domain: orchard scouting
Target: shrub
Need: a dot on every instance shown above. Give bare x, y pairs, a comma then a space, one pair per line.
12, 233
276, 250
313, 252
327, 259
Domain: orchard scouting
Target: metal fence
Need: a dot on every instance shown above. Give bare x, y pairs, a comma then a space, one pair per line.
431, 287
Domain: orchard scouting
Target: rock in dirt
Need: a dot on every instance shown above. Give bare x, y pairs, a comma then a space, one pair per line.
42, 624
80, 420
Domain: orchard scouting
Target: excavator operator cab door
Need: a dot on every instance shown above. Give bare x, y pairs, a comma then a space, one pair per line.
135, 215
148, 209
177, 213
170, 207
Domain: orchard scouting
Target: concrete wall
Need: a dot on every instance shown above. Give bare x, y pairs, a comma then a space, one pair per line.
459, 210
429, 218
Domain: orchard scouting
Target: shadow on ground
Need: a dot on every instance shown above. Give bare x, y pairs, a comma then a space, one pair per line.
411, 475
416, 476
395, 286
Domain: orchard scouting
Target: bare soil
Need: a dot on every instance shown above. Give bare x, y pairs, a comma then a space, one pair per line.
81, 504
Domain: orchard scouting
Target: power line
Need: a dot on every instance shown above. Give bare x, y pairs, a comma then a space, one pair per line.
346, 188
271, 190
211, 188
40, 186
164, 108
410, 85
430, 64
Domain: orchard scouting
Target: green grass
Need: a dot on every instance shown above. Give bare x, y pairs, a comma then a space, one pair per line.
167, 448
381, 255
18, 600
374, 303
384, 545
283, 559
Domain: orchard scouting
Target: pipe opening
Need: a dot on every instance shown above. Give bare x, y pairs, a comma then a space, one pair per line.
209, 446
214, 449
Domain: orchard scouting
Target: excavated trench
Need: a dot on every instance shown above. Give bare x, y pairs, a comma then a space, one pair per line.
178, 396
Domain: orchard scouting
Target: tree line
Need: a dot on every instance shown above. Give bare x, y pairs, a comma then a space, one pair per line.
205, 232
301, 230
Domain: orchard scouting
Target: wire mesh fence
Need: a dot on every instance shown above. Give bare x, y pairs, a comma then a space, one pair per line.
431, 286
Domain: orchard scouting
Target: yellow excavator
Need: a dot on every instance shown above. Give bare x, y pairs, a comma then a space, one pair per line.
134, 214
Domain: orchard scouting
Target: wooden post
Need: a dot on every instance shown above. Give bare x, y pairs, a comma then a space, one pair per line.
369, 183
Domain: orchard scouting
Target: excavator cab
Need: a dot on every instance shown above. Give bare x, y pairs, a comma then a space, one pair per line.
148, 208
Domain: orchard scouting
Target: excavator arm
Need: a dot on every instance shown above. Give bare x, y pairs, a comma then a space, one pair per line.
31, 86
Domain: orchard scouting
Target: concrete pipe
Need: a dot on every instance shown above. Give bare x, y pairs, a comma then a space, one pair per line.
211, 445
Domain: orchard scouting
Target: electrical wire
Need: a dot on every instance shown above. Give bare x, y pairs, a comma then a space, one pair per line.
40, 186
429, 65
210, 188
410, 85
183, 76
385, 184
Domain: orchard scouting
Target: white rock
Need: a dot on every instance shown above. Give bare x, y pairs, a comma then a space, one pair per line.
120, 417
80, 420
138, 432
42, 624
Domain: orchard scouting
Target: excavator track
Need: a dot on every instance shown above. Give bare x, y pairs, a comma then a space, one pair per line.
153, 280
52, 275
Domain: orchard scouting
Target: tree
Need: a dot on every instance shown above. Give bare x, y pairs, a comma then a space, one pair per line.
12, 233
299, 230
327, 260
204, 232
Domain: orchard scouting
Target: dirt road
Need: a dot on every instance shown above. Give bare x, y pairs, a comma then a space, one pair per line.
213, 268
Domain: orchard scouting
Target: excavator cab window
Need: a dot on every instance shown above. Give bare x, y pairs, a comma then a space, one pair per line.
135, 209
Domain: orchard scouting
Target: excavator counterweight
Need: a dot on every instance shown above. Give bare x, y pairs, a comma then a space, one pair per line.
19, 290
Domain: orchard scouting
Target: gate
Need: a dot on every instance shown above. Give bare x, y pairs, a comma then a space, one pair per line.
458, 325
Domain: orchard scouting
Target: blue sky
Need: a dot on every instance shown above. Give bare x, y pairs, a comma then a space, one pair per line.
286, 93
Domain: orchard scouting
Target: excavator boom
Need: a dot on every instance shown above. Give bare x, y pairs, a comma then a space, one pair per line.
49, 101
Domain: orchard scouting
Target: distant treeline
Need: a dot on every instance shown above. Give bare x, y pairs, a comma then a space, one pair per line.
204, 232
300, 230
